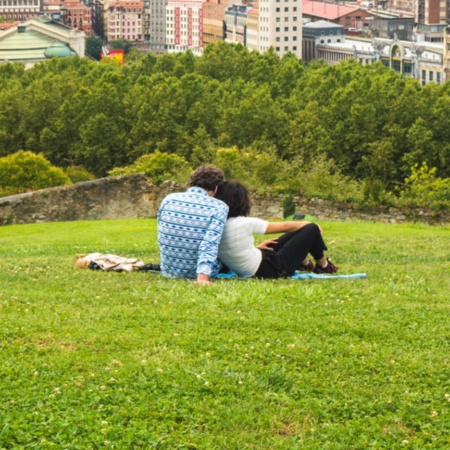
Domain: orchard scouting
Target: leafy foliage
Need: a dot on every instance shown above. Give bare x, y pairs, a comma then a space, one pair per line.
368, 122
78, 174
94, 47
424, 189
158, 167
25, 170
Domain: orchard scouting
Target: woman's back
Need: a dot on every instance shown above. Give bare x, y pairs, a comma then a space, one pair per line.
237, 250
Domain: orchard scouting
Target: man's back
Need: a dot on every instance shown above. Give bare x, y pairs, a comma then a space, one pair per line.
190, 225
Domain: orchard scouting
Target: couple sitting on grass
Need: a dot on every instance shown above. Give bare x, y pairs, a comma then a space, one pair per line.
206, 230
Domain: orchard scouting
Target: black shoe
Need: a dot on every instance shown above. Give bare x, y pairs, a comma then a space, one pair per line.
150, 268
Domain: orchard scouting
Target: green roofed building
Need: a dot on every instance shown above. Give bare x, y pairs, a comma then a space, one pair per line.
39, 39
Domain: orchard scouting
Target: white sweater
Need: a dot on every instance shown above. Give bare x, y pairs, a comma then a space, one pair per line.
237, 250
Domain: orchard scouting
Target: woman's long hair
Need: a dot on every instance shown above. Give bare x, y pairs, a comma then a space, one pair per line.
236, 196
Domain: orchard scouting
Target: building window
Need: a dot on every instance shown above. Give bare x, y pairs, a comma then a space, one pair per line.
277, 29
277, 19
286, 9
277, 39
294, 38
438, 77
277, 49
277, 9
294, 48
286, 49
286, 39
431, 75
286, 28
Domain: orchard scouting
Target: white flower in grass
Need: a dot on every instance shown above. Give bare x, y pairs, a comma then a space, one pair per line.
447, 396
107, 368
57, 391
268, 345
104, 431
159, 370
102, 387
36, 374
207, 354
106, 443
104, 422
111, 380
207, 383
290, 346
405, 442
434, 414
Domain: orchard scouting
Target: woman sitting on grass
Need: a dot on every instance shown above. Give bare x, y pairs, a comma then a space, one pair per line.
275, 258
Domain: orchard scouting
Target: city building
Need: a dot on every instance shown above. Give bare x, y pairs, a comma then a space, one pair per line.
213, 21
426, 63
39, 39
236, 24
184, 26
346, 16
125, 20
252, 27
317, 33
156, 34
20, 10
280, 26
402, 27
75, 14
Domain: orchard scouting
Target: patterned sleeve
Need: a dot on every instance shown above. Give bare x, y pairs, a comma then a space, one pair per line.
208, 249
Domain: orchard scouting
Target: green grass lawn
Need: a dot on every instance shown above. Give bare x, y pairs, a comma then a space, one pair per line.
133, 361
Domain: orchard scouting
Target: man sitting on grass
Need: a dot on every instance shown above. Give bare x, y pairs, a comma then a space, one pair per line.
190, 226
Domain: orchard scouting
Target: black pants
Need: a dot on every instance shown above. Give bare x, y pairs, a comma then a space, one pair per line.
290, 251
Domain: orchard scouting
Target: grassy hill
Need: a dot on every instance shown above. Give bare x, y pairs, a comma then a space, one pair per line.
92, 359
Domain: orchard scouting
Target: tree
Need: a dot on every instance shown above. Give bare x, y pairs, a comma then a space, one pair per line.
94, 47
159, 167
25, 170
121, 44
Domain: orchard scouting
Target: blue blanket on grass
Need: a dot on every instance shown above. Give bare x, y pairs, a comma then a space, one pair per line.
300, 276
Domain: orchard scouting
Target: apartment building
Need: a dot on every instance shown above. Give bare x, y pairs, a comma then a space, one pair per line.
20, 10
184, 26
75, 14
280, 26
155, 14
236, 24
213, 21
252, 27
125, 20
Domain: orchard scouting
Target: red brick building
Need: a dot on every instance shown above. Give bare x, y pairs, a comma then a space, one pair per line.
346, 16
76, 14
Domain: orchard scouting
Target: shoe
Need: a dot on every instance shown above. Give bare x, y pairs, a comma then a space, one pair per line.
306, 267
150, 268
331, 268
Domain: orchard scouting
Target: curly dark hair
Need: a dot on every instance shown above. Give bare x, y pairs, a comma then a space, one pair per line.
207, 177
236, 196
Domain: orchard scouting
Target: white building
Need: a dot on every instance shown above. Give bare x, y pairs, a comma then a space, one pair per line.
280, 26
184, 26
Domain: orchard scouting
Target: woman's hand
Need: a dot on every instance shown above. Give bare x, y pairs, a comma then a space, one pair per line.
267, 245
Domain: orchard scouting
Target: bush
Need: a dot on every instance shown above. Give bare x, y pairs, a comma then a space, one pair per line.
158, 167
424, 189
320, 179
78, 174
25, 170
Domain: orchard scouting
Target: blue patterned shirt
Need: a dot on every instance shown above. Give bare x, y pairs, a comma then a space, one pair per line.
190, 226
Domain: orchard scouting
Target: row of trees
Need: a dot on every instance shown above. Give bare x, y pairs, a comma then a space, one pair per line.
232, 106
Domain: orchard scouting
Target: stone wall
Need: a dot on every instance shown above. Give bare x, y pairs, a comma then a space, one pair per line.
133, 196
